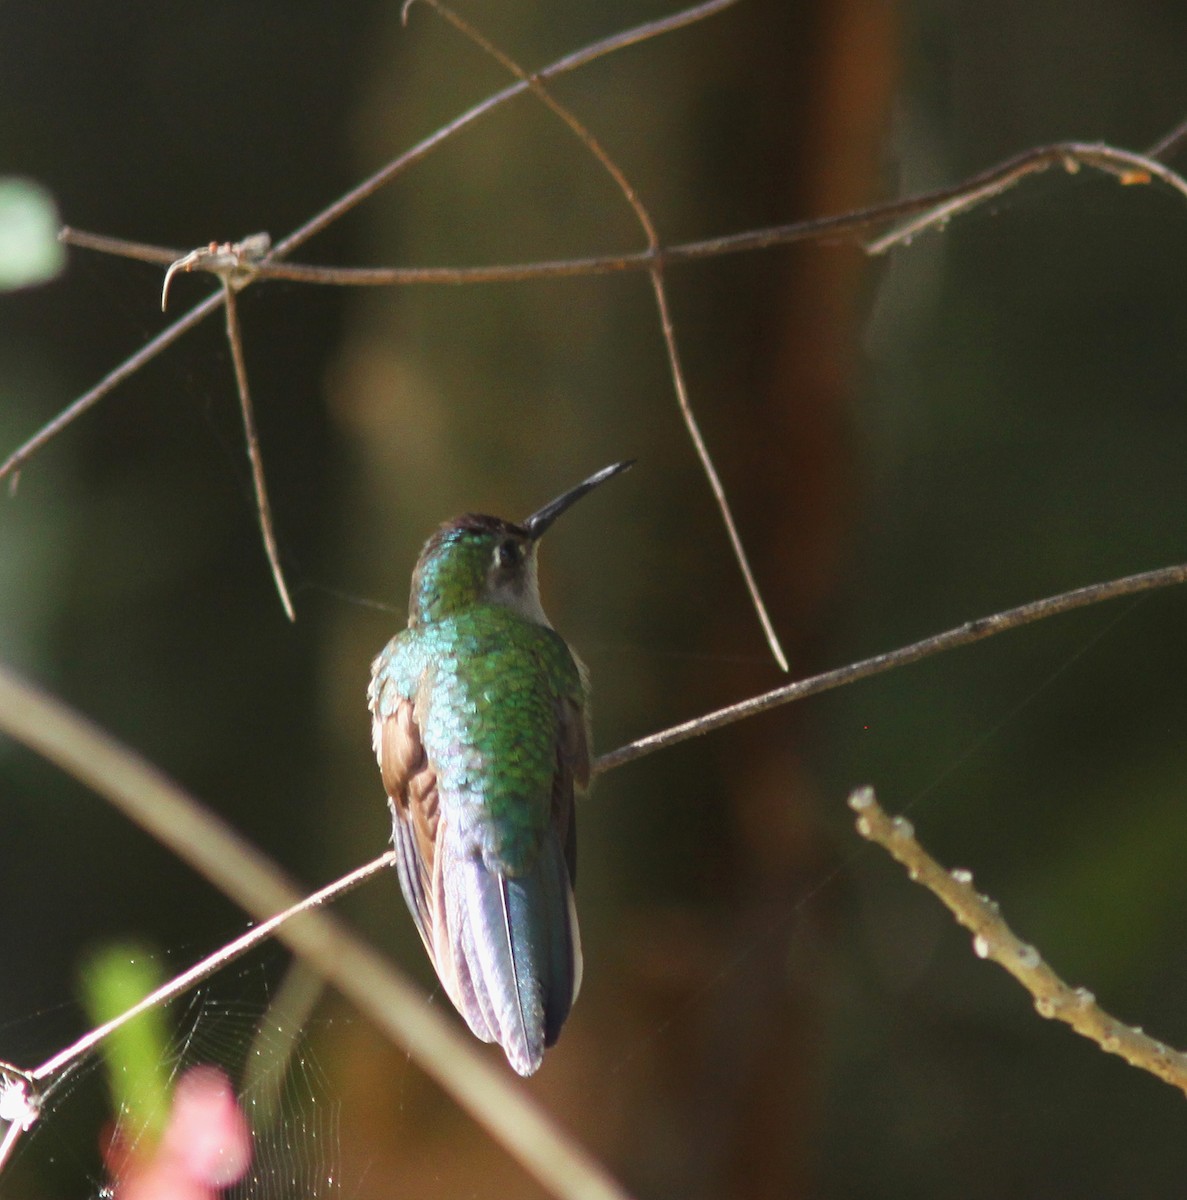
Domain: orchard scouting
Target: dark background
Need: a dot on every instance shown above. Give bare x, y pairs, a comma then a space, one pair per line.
991, 415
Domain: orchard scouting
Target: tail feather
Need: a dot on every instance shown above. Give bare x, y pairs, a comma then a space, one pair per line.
517, 953
511, 993
544, 930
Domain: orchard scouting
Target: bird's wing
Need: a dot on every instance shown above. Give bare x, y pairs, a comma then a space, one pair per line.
572, 775
411, 785
418, 834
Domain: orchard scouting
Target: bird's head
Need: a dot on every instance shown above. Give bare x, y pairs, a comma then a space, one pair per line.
477, 559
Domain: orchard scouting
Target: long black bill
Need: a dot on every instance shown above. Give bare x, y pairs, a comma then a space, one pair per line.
538, 522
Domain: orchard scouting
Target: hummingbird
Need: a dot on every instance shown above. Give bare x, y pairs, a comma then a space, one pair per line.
480, 722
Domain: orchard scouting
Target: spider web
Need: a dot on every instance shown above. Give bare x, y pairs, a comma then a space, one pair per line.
249, 1029
278, 1079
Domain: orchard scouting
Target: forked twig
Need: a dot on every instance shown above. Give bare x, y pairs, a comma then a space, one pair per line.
655, 270
12, 465
351, 966
937, 206
994, 939
235, 263
562, 66
987, 183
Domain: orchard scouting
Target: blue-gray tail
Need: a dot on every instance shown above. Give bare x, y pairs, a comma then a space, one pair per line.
516, 953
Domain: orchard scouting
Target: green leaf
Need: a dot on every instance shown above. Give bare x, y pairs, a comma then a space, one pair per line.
112, 982
29, 249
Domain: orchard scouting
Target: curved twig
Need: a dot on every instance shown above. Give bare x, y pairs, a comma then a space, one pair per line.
655, 271
263, 507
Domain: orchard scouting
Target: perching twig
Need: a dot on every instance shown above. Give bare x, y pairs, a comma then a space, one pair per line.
993, 939
250, 879
212, 963
655, 270
966, 634
962, 635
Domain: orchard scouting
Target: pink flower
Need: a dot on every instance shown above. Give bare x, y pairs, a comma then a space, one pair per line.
206, 1145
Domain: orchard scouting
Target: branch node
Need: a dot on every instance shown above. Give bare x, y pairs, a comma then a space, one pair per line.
902, 828
20, 1102
1028, 958
235, 263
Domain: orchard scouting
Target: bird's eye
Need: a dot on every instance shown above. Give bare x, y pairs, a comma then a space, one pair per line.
507, 554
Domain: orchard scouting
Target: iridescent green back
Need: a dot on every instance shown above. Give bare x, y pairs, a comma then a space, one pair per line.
489, 686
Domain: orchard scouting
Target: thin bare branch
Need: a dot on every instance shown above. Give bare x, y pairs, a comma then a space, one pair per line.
244, 875
939, 205
328, 215
562, 66
965, 634
1170, 143
655, 270
1126, 166
993, 939
211, 963
125, 370
235, 338
962, 635
120, 247
251, 880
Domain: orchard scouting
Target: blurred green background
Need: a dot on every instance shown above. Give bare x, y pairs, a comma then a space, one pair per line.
989, 416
